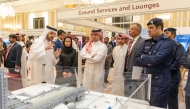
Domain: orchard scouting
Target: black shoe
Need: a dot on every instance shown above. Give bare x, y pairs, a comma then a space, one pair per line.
106, 81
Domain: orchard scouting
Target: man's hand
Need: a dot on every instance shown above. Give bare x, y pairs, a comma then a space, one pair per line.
94, 55
139, 78
49, 46
70, 74
107, 57
65, 75
181, 67
149, 64
16, 67
57, 52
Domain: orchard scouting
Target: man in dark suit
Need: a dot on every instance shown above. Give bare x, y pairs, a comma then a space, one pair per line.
12, 55
59, 42
76, 41
135, 43
108, 59
86, 41
112, 42
133, 48
175, 69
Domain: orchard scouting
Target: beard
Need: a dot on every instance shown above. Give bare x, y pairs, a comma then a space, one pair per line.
50, 38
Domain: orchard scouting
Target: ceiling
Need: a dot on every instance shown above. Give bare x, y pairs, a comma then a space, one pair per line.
21, 6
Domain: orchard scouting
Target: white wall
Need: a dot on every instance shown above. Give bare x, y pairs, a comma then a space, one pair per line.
183, 30
37, 15
136, 19
109, 20
4, 34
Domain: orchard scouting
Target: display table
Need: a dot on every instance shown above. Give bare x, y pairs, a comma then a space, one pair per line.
92, 100
14, 81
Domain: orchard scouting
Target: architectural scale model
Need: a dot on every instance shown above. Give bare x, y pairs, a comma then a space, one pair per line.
44, 100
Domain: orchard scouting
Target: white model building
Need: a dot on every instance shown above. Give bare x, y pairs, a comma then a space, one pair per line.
3, 90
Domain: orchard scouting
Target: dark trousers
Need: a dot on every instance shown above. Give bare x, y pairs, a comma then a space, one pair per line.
112, 62
160, 88
187, 101
107, 67
173, 96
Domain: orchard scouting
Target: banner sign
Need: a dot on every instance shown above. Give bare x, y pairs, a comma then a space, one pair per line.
123, 9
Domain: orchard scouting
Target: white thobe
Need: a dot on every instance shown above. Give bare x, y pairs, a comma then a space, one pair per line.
119, 54
94, 67
24, 67
39, 56
74, 45
20, 43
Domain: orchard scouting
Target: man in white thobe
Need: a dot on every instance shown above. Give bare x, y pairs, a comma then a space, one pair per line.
95, 52
25, 65
42, 54
23, 69
119, 53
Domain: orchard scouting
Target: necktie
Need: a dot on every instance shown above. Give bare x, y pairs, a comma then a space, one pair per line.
129, 52
7, 52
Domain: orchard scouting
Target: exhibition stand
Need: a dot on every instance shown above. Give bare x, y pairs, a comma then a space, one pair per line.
65, 95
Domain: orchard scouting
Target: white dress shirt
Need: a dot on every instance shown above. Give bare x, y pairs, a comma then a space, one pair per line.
134, 41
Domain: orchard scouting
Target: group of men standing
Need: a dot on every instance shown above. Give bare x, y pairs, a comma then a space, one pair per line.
160, 55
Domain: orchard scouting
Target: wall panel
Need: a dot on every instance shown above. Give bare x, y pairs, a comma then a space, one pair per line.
184, 22
26, 20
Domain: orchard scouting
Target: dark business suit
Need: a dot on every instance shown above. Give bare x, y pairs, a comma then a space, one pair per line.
57, 44
185, 62
131, 60
108, 62
175, 76
83, 44
113, 44
13, 57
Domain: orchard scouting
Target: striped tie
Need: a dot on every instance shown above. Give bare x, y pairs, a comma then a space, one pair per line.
129, 52
7, 52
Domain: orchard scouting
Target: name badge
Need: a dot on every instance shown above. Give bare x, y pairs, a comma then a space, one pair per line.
147, 47
26, 57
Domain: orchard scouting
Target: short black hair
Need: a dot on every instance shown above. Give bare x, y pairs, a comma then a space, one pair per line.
87, 37
76, 38
13, 36
113, 37
28, 45
59, 32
